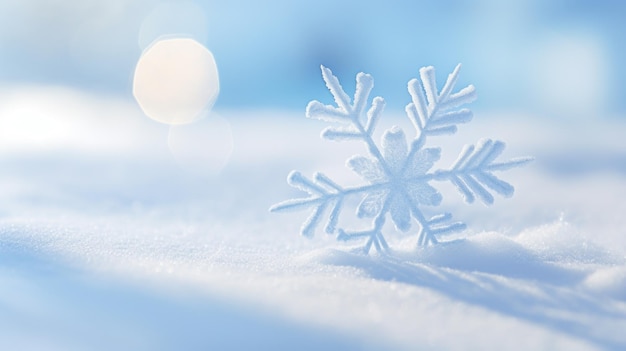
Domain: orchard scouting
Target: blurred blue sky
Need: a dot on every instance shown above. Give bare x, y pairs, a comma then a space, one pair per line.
556, 58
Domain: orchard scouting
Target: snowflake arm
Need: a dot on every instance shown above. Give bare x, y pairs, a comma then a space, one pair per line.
434, 113
346, 112
437, 226
323, 193
351, 114
374, 236
472, 173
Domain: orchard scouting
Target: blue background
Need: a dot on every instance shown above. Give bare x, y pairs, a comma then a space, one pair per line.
552, 58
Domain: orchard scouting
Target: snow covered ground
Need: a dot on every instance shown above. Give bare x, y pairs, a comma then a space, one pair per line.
111, 237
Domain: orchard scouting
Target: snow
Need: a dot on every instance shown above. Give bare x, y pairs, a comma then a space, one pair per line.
106, 242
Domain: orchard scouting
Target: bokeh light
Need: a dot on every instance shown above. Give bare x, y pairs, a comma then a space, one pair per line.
175, 80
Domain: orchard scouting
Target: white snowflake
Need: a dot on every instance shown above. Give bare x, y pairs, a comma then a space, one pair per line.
398, 174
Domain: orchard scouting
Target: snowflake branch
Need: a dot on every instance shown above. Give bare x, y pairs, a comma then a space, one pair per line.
428, 112
436, 226
345, 112
374, 113
324, 193
374, 235
332, 83
323, 196
471, 172
433, 226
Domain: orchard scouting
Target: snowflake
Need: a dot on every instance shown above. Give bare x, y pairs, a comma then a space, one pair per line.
397, 173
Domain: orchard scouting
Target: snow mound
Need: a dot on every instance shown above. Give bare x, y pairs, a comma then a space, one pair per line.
609, 281
518, 277
496, 254
490, 253
562, 242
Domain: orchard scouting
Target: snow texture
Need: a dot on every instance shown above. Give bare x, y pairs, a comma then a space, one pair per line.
398, 173
106, 244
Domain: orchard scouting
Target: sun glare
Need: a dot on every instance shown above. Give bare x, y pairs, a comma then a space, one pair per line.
175, 80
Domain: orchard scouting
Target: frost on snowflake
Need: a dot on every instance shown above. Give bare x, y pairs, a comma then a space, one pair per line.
397, 174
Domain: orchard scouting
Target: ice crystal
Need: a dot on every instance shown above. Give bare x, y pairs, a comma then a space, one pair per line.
397, 173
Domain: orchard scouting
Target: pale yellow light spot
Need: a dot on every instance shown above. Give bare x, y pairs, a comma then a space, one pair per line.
175, 80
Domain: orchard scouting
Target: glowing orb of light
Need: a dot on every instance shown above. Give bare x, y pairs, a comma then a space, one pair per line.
175, 80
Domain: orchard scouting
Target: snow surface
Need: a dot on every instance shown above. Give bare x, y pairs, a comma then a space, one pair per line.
106, 242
